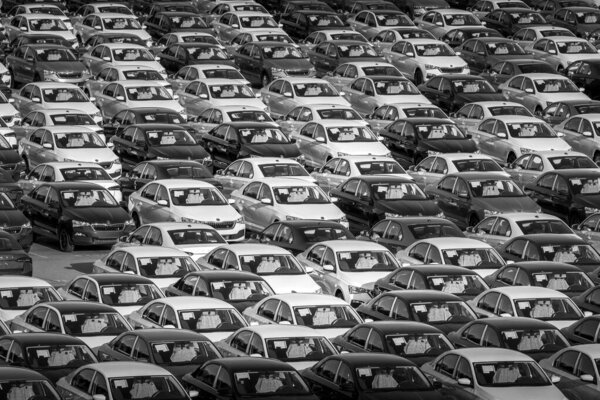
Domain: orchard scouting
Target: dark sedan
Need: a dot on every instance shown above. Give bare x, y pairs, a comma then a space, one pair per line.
76, 213
566, 248
458, 36
558, 112
178, 351
178, 55
445, 311
16, 380
584, 331
415, 341
582, 21
538, 339
570, 194
51, 354
13, 259
297, 236
481, 53
143, 142
370, 376
327, 56
466, 198
586, 75
164, 22
301, 23
459, 281
589, 300
563, 277
502, 71
10, 160
410, 140
509, 21
13, 222
369, 199
144, 115
148, 171
29, 38
239, 288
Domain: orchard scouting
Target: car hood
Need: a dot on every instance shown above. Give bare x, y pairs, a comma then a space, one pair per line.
325, 211
61, 66
208, 213
360, 148
84, 106
473, 97
302, 283
549, 392
96, 341
554, 97
114, 215
445, 62
450, 145
193, 152
507, 204
337, 100
539, 144
285, 150
406, 395
301, 63
570, 58
408, 207
251, 102
12, 218
102, 154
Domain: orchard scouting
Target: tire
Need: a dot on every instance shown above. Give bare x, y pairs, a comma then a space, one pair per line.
264, 79
65, 241
473, 220
418, 77
596, 157
511, 158
538, 111
136, 220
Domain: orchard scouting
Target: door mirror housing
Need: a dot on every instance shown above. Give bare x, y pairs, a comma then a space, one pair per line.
288, 94
528, 90
36, 99
162, 202
464, 382
320, 139
410, 54
98, 397
328, 268
501, 135
47, 146
106, 58
265, 201
555, 379
120, 98
587, 378
587, 134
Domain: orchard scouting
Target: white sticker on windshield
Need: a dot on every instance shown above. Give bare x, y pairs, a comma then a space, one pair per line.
541, 277
420, 308
523, 305
187, 315
6, 293
399, 341
280, 344
365, 372
304, 312
108, 290
488, 369
547, 249
161, 347
70, 317
120, 383
511, 335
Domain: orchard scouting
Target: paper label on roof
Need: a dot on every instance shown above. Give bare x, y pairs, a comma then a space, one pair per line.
399, 341
488, 369
364, 372
108, 290
120, 383
547, 249
541, 277
43, 353
420, 308
523, 305
70, 317
187, 315
161, 347
511, 335
6, 293
280, 344
304, 312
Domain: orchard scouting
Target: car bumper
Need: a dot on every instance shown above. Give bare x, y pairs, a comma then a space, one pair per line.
430, 73
90, 236
75, 81
15, 267
23, 235
237, 234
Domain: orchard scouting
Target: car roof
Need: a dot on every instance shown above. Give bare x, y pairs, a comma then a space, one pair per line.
422, 41
592, 350
545, 266
151, 251
279, 331
431, 269
12, 281
363, 64
8, 373
353, 245
73, 185
254, 249
182, 183
278, 182
309, 299
167, 334
138, 82
217, 275
443, 243
179, 225
366, 158
71, 164
565, 38
78, 306
310, 223
374, 359
508, 119
113, 46
528, 292
193, 302
53, 85
39, 16
390, 327
117, 369
40, 46
376, 179
267, 160
490, 354
516, 323
423, 295
298, 79
252, 364
113, 15
44, 338
578, 172
250, 124
520, 216
427, 120
114, 278
480, 175
336, 123
541, 76
463, 156
67, 128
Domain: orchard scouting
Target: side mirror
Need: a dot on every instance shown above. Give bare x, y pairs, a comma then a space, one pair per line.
464, 382
106, 58
256, 355
162, 202
36, 99
439, 23
552, 51
501, 135
92, 99
23, 28
11, 100
203, 96
555, 379
287, 94
587, 378
265, 201
231, 201
320, 139
505, 315
47, 146
309, 270
98, 27
120, 98
328, 268
235, 26
528, 90
98, 397
587, 134
195, 393
410, 54
587, 313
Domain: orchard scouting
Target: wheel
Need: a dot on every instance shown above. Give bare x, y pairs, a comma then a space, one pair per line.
136, 220
65, 241
418, 77
264, 79
597, 158
538, 111
511, 158
473, 220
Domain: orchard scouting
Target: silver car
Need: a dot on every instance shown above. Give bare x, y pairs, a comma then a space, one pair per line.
581, 132
293, 121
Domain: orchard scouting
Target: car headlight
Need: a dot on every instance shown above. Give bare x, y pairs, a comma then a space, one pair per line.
26, 225
240, 220
429, 66
591, 210
130, 222
488, 213
357, 290
291, 218
341, 154
525, 150
190, 220
78, 224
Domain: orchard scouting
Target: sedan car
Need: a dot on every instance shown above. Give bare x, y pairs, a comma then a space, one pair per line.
14, 223
584, 331
482, 53
96, 84
230, 24
371, 22
582, 21
557, 112
24, 380
329, 55
585, 74
588, 230
20, 293
113, 54
579, 377
55, 117
344, 74
502, 71
38, 24
581, 131
178, 55
458, 35
384, 115
510, 20
560, 51
441, 21
588, 300
109, 22
528, 35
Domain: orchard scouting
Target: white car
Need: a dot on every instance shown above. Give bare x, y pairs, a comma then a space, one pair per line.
441, 21
113, 73
265, 201
8, 112
388, 113
528, 301
186, 200
38, 24
278, 267
18, 293
193, 239
473, 254
205, 71
110, 22
347, 72
162, 265
348, 269
330, 34
581, 132
214, 116
230, 24
470, 115
328, 314
55, 117
113, 54
299, 116
526, 36
560, 51
213, 318
241, 172
300, 346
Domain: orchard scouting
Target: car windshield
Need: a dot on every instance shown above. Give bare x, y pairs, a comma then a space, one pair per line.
543, 226
588, 109
146, 387
113, 8
64, 95
356, 51
397, 191
205, 196
439, 312
94, 324
28, 389
300, 195
169, 137
585, 185
187, 171
211, 320
314, 89
314, 235
439, 131
129, 294
472, 86
47, 24
231, 92
468, 285
299, 348
474, 164
495, 188
258, 21
570, 253
78, 140
504, 49
195, 236
510, 373
253, 383
207, 53
143, 75
418, 344
266, 135
326, 316
379, 167
165, 267
434, 50
527, 17
381, 70
576, 47
555, 86
21, 298
5, 203
132, 54
395, 88
71, 119
570, 162
50, 55
324, 20
366, 261
274, 170
534, 340
461, 19
425, 231
121, 23
424, 112
271, 264
588, 17
281, 52
223, 73
273, 37
337, 113
148, 93
198, 39
509, 110
46, 10
79, 198
122, 38
393, 19
257, 115
58, 356
349, 134
183, 352
188, 22
548, 309
526, 130
85, 174
391, 378
573, 281
162, 118
239, 291
472, 258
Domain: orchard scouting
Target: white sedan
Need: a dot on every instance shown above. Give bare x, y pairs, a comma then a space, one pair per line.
18, 293
294, 120
347, 72
470, 115
388, 113
561, 51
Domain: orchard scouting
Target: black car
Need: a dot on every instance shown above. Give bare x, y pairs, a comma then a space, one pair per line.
481, 53
369, 199
29, 38
7, 5
10, 160
565, 278
144, 115
250, 377
458, 36
460, 281
370, 376
297, 236
586, 74
53, 355
228, 142
584, 331
549, 7
13, 259
164, 22
557, 112
12, 220
290, 6
452, 91
566, 248
502, 71
76, 213
410, 140
15, 380
445, 311
538, 339
571, 194
144, 142
589, 300
415, 341
178, 55
179, 351
508, 21
327, 56
466, 198
398, 233
299, 24
151, 170
239, 288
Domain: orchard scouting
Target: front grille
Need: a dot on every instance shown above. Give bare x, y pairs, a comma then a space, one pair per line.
220, 225
451, 70
11, 229
108, 227
7, 118
105, 165
69, 75
298, 72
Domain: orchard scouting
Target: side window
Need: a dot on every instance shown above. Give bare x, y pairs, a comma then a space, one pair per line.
256, 346
268, 309
83, 380
463, 370
474, 333
489, 301
252, 190
516, 248
359, 336
36, 317
587, 330
241, 341
375, 343
328, 369
384, 305
419, 251
447, 184
77, 287
447, 365
141, 351
125, 345
153, 313
566, 361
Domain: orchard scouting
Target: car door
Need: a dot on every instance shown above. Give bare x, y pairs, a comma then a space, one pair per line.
33, 209
307, 144
541, 192
484, 135
347, 197
322, 382
248, 203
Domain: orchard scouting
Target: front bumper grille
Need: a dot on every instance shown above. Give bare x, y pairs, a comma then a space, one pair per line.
451, 70
13, 230
108, 227
69, 75
220, 224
